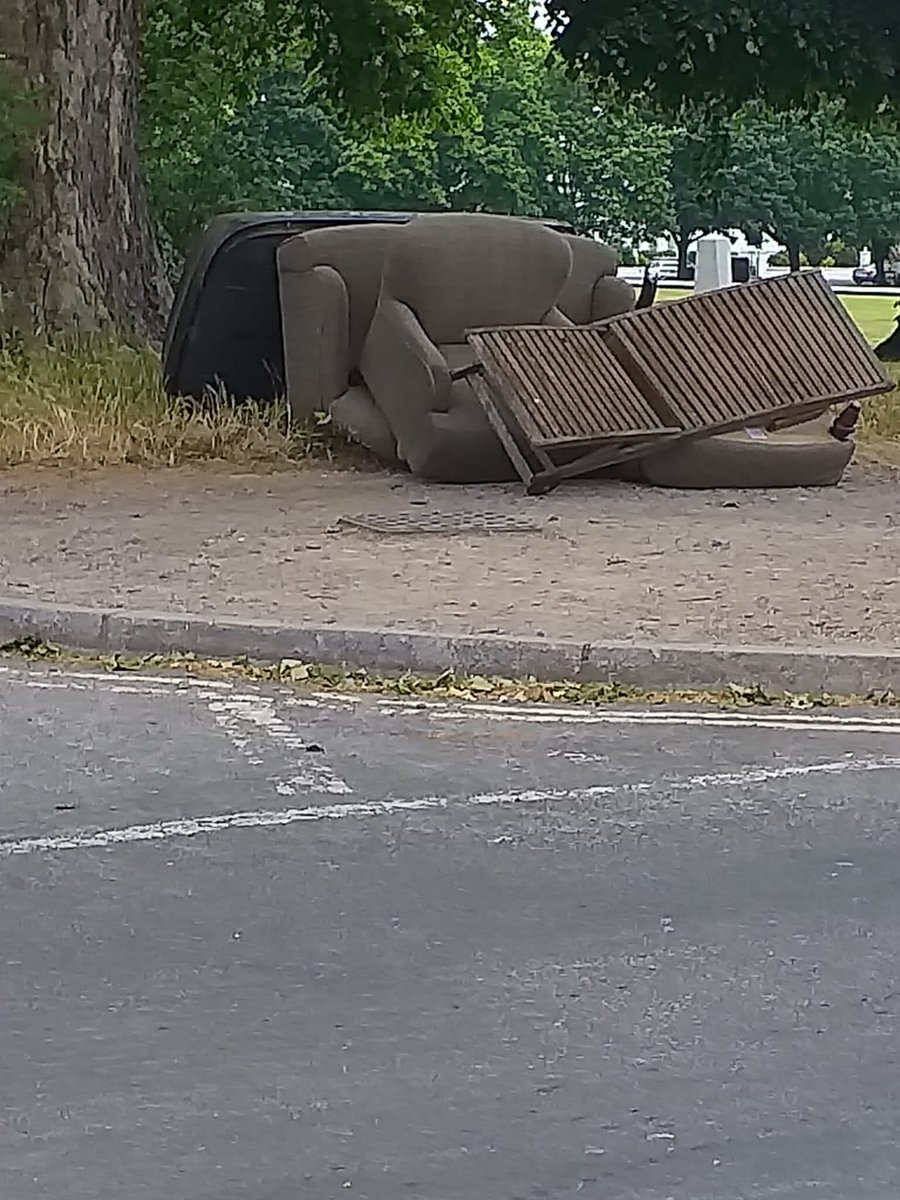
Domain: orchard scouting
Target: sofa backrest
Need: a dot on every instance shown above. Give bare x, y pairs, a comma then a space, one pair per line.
463, 270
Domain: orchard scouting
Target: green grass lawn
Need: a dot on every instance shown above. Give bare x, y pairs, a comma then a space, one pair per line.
874, 315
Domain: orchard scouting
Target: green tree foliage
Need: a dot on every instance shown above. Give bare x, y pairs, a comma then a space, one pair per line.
695, 191
280, 145
872, 166
18, 115
205, 60
248, 103
787, 177
611, 160
817, 180
290, 148
528, 140
783, 51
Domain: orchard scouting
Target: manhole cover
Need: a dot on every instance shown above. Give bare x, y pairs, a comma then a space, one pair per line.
443, 523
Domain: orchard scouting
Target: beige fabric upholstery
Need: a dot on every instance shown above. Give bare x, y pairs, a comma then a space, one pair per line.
802, 456
329, 281
357, 416
593, 292
444, 275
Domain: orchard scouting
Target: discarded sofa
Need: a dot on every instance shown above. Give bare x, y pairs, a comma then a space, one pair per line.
443, 276
450, 273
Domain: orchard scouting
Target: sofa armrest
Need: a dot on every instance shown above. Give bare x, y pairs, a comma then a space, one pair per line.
315, 320
403, 368
612, 296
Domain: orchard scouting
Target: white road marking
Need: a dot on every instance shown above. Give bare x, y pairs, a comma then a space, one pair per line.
121, 689
536, 712
748, 776
312, 772
246, 714
263, 819
756, 775
438, 709
799, 723
232, 711
188, 827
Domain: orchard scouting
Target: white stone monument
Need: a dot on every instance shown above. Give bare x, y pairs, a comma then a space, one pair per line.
713, 263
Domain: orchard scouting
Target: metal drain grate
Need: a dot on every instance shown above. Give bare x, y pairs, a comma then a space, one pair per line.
444, 523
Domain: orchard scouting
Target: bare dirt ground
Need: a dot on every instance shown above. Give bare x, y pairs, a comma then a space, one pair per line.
611, 561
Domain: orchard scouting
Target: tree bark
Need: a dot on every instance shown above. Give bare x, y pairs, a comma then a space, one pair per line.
683, 244
80, 251
880, 252
794, 257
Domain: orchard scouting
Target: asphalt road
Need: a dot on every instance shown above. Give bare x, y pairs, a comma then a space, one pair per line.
261, 948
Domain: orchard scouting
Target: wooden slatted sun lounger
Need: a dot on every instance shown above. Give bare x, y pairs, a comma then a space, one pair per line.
568, 401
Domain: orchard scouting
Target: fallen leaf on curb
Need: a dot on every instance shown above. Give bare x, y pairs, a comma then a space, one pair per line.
446, 685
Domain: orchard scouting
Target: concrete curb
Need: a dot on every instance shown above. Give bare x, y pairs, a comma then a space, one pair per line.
635, 664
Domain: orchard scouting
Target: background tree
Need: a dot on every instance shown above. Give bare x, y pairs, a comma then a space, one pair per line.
787, 52
80, 249
281, 150
695, 190
528, 140
612, 161
788, 174
872, 163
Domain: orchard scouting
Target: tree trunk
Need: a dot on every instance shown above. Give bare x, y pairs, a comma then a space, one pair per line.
80, 251
880, 252
794, 257
683, 244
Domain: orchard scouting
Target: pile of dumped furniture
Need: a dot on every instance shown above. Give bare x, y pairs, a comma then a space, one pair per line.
475, 348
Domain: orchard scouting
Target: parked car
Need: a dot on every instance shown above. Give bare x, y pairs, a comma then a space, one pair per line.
867, 276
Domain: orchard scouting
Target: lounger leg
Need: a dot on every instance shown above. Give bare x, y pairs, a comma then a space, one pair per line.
517, 458
546, 481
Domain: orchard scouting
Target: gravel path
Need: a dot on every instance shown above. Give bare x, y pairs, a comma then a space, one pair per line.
611, 561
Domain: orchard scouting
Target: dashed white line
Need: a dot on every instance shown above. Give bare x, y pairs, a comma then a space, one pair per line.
188, 827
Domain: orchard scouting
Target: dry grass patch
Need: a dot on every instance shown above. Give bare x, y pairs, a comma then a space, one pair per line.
879, 434
98, 403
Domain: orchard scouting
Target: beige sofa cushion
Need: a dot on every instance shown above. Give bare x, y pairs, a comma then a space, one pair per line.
357, 416
802, 456
459, 271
